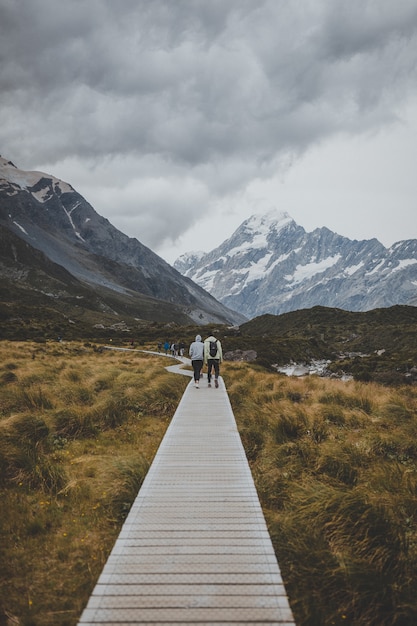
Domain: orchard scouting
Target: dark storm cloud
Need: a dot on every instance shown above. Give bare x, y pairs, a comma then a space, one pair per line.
224, 90
194, 80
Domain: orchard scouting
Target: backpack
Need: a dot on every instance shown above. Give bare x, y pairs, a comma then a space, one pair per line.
213, 348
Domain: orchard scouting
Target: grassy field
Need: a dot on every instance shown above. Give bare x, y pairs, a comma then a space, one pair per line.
334, 464
78, 430
335, 467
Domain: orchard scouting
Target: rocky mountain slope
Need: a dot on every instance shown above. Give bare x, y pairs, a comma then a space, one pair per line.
272, 265
70, 251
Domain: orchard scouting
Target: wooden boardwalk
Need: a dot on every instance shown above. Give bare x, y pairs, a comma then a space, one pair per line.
194, 548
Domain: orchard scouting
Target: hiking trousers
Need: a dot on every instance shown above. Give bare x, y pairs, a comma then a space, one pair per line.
213, 364
197, 367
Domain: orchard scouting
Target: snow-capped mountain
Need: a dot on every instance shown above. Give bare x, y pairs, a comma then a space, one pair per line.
52, 218
272, 265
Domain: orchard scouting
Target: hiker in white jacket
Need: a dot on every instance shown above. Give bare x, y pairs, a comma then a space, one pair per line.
196, 352
213, 356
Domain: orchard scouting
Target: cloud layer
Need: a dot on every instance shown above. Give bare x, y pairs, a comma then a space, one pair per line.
164, 110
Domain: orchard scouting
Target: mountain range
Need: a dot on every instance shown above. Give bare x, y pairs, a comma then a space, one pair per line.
272, 265
57, 251
59, 254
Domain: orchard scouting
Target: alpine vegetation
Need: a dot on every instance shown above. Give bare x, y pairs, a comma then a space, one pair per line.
335, 466
78, 431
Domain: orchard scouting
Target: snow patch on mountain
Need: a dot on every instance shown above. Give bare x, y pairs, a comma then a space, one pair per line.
404, 263
20, 227
376, 269
68, 214
306, 272
353, 268
27, 180
207, 279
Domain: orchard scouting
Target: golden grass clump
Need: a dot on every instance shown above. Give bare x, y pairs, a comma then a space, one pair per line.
335, 466
78, 430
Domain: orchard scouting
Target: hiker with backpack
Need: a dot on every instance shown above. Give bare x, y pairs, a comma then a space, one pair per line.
213, 356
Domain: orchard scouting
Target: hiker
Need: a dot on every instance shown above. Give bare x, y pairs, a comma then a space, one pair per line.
166, 346
196, 352
213, 356
182, 348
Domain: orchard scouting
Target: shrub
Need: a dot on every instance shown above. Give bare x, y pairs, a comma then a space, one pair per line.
73, 424
361, 402
337, 398
239, 393
8, 377
334, 414
294, 396
27, 429
48, 475
319, 430
78, 394
289, 427
348, 400
339, 468
162, 399
397, 411
128, 476
74, 375
24, 444
295, 457
394, 448
10, 366
35, 398
111, 413
253, 442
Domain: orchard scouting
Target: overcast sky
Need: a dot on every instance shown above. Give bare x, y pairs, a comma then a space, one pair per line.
178, 119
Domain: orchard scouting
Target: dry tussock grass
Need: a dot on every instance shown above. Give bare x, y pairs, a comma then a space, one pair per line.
78, 431
335, 466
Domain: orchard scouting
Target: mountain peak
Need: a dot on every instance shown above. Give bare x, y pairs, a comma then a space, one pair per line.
257, 231
271, 219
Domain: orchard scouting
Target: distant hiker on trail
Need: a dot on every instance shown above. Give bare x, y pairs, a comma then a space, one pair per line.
167, 346
196, 352
213, 356
182, 348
